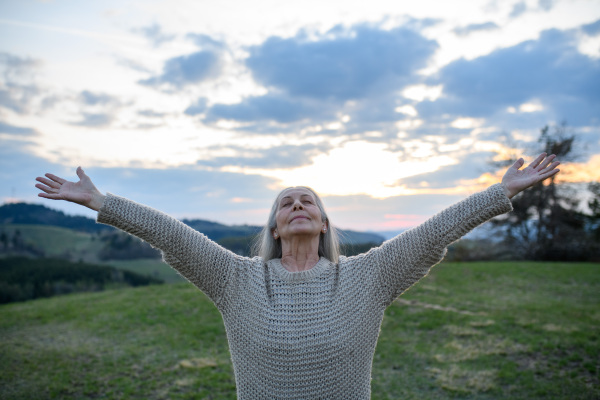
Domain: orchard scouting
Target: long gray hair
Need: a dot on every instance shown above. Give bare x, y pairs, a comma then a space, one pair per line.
267, 247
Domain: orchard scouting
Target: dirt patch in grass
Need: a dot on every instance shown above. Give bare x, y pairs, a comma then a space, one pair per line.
457, 379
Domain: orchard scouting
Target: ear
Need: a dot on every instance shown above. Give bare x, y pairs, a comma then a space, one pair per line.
325, 227
275, 234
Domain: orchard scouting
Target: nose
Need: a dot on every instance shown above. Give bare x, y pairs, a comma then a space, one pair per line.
298, 205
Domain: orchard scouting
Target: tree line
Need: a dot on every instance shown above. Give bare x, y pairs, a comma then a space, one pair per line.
24, 278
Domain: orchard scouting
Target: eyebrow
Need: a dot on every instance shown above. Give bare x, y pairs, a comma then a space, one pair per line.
289, 197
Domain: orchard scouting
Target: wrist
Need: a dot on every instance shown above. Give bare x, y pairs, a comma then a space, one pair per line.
96, 202
507, 192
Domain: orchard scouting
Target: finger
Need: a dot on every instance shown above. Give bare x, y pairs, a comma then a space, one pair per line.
518, 164
48, 182
47, 189
56, 178
538, 160
546, 162
51, 196
548, 174
550, 167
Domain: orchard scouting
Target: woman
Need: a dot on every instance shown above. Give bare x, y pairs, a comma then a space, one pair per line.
302, 321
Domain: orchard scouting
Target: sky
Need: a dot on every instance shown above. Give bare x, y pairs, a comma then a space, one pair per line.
390, 110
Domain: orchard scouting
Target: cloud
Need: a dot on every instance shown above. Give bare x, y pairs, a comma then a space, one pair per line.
466, 30
95, 120
93, 99
592, 29
546, 5
196, 108
342, 64
187, 70
469, 167
18, 90
155, 34
205, 41
151, 114
518, 9
270, 107
16, 130
354, 71
284, 156
549, 70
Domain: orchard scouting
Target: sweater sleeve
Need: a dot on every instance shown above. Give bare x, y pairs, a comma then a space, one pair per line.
405, 259
197, 258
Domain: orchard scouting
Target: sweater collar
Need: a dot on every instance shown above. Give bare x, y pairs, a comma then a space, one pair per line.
299, 276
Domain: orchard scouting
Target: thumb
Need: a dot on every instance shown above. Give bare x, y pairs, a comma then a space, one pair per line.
80, 173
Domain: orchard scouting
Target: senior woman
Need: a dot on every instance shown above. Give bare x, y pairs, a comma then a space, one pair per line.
302, 321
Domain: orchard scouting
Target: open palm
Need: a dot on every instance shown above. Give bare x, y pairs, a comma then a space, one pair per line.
516, 180
83, 192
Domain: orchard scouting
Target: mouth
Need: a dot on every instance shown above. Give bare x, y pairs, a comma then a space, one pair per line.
298, 217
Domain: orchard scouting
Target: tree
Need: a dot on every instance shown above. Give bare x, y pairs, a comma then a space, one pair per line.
547, 222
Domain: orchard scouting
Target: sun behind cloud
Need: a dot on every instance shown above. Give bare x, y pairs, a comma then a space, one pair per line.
355, 168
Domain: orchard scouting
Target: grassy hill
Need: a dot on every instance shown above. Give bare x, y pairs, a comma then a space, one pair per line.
467, 331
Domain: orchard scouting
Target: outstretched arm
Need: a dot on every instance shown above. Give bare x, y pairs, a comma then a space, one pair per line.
404, 260
203, 262
83, 192
516, 180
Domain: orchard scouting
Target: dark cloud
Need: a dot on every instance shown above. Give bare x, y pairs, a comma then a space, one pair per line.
155, 34
466, 30
549, 69
16, 130
343, 64
285, 156
274, 107
518, 9
354, 71
592, 29
186, 70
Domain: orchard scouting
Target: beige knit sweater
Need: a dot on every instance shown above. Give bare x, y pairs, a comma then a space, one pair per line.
309, 334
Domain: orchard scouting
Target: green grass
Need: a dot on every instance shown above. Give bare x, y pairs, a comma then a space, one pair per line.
468, 331
153, 267
57, 241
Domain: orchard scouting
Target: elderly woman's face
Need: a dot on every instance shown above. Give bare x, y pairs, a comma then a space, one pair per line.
298, 214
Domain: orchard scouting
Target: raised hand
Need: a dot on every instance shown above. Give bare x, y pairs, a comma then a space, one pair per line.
516, 180
83, 192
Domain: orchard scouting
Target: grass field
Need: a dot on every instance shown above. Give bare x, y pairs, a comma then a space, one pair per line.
467, 331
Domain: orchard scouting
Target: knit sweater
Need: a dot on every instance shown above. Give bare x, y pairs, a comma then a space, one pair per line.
308, 334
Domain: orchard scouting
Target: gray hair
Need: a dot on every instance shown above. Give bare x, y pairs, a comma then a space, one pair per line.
267, 247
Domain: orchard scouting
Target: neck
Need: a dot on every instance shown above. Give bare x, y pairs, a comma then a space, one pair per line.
299, 255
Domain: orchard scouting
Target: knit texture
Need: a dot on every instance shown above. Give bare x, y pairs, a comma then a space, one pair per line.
309, 334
